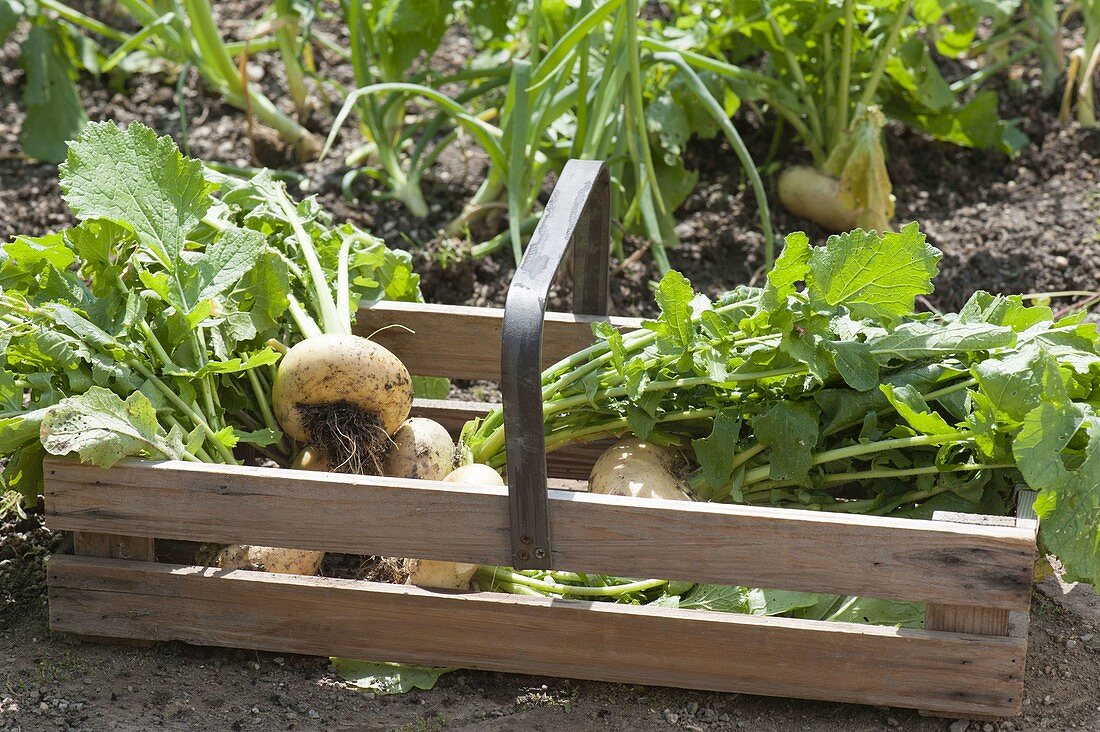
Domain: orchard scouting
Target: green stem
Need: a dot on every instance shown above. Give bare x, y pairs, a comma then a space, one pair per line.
884, 54
503, 574
845, 75
200, 421
330, 320
885, 473
760, 473
738, 145
77, 18
301, 318
799, 77
636, 105
287, 38
261, 398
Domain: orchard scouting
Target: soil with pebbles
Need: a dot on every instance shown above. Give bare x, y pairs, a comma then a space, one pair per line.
1027, 223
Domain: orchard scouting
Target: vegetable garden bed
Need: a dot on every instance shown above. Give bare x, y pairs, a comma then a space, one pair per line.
973, 573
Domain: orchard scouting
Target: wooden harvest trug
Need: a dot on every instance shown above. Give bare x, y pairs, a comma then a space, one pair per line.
974, 573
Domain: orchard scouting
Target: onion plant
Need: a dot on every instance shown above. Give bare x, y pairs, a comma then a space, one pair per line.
578, 85
183, 31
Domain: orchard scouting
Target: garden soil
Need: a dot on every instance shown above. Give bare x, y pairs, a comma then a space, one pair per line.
1023, 224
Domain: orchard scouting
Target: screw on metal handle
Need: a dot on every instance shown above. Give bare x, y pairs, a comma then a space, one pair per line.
578, 213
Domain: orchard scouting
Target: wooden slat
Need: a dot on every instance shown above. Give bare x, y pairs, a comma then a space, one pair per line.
114, 546
966, 619
573, 462
1026, 518
450, 413
990, 621
953, 673
760, 547
462, 342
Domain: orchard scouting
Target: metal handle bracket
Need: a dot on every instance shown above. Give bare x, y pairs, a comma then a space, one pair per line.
577, 213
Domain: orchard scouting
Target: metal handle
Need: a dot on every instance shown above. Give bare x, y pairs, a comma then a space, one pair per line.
578, 213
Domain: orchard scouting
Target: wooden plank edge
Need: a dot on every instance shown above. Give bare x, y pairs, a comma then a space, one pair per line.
897, 558
953, 674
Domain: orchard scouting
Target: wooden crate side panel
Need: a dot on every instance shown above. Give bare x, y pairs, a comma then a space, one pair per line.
781, 548
721, 652
462, 342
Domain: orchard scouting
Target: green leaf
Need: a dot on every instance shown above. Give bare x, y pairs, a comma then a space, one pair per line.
20, 431
718, 598
431, 387
227, 260
32, 253
614, 337
1038, 446
1016, 382
874, 276
262, 357
915, 340
777, 602
790, 432
103, 429
914, 70
23, 473
715, 453
10, 12
24, 258
867, 611
911, 407
492, 15
263, 438
1003, 310
54, 111
1068, 504
387, 678
790, 268
134, 177
855, 363
267, 287
977, 124
674, 296
404, 29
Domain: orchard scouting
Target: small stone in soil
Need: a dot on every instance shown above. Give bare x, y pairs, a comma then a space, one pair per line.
671, 717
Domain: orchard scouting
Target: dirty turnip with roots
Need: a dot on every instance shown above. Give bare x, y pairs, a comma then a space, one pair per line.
343, 395
339, 393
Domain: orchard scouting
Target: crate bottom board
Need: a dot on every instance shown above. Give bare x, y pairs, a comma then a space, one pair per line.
949, 673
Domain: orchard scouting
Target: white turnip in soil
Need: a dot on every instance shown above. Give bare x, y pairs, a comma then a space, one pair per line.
851, 189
